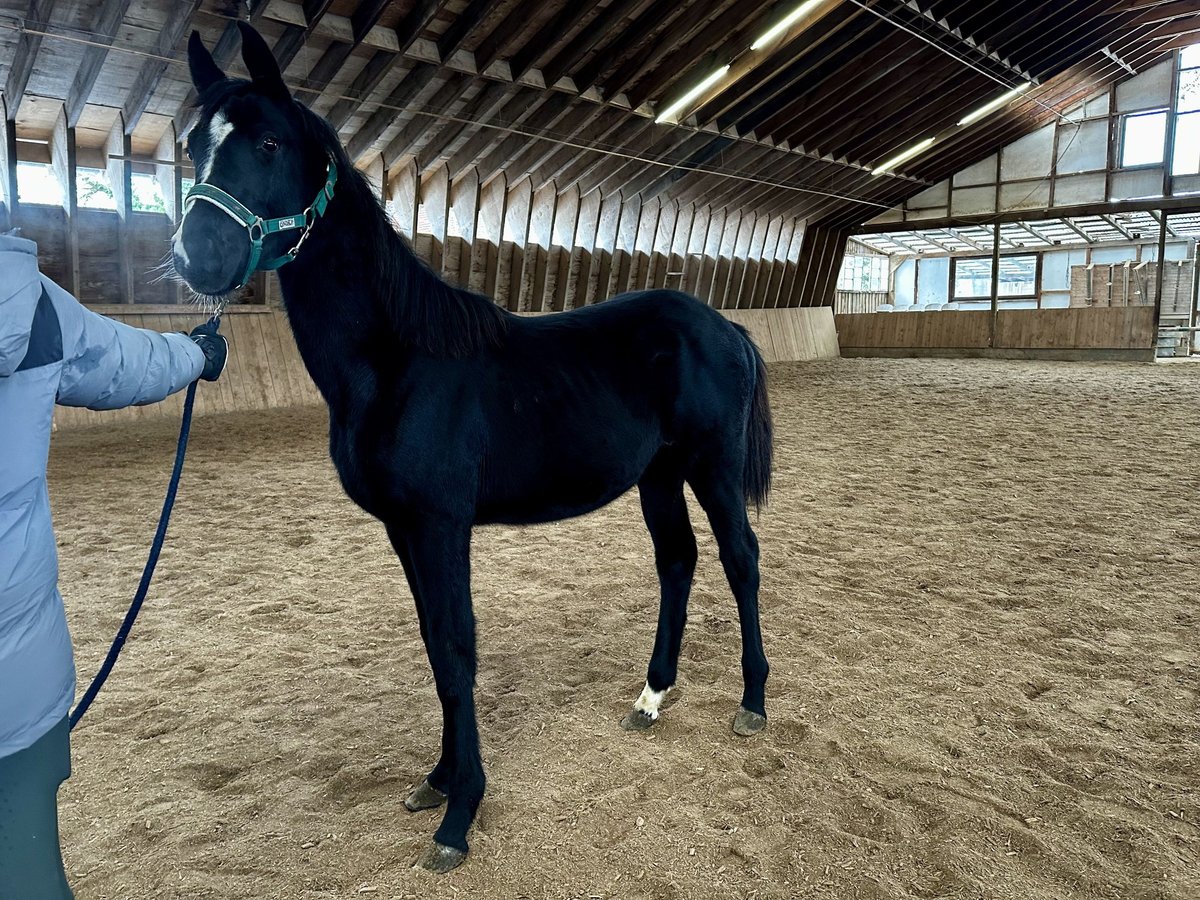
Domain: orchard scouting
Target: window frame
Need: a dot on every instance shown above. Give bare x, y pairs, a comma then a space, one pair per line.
954, 296
1123, 126
873, 259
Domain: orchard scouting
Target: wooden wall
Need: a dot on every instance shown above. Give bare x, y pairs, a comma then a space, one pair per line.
265, 370
1123, 332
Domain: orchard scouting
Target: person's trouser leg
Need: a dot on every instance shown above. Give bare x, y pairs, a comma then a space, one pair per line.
31, 866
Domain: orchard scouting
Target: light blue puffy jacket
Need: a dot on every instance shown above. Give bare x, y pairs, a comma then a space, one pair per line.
52, 349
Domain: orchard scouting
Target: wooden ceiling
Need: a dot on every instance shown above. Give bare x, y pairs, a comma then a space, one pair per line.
567, 91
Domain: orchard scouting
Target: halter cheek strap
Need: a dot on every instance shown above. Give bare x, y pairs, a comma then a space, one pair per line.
259, 228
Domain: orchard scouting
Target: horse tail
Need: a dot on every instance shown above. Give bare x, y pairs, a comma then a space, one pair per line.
756, 473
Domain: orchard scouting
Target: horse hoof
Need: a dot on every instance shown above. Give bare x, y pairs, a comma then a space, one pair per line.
425, 796
441, 859
747, 723
637, 720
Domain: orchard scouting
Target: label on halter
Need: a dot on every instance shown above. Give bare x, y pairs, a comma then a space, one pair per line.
288, 223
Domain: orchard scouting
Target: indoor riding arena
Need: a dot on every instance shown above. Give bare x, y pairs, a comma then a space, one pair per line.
962, 235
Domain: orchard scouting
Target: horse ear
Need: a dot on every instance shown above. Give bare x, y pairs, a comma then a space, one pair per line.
205, 71
260, 61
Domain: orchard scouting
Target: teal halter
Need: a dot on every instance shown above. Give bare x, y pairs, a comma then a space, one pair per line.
258, 227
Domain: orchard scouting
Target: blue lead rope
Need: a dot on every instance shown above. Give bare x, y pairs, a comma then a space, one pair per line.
160, 535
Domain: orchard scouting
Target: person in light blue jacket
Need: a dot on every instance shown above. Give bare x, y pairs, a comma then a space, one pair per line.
53, 350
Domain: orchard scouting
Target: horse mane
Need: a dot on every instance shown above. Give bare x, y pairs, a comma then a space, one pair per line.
427, 312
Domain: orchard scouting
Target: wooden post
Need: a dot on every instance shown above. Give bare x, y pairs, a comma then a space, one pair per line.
995, 285
1158, 277
168, 172
514, 233
1191, 335
63, 163
464, 200
403, 190
606, 245
485, 253
8, 162
120, 179
435, 195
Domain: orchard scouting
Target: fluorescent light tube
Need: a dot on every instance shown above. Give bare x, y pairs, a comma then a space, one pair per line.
995, 104
903, 157
784, 24
692, 94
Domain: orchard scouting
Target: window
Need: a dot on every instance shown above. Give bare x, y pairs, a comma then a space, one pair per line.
1186, 158
93, 189
1143, 137
971, 278
36, 184
147, 195
864, 274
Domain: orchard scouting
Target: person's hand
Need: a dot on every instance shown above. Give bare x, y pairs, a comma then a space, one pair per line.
214, 347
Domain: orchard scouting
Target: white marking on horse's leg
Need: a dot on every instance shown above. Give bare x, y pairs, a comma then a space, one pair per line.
219, 128
650, 700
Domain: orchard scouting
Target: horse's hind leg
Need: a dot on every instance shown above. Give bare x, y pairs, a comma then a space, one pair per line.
718, 487
665, 511
440, 563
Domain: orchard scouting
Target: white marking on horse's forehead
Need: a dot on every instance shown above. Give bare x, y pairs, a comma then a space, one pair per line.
219, 128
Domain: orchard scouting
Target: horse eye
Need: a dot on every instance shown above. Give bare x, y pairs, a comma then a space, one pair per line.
269, 144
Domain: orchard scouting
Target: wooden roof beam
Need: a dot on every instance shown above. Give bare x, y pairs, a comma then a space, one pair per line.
37, 14
723, 29
462, 26
409, 88
979, 48
492, 47
1164, 12
1159, 219
366, 16
545, 118
607, 22
1117, 226
364, 85
314, 11
421, 124
179, 23
479, 108
668, 33
514, 113
104, 27
561, 23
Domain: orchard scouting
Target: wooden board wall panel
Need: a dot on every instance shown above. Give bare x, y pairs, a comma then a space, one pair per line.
790, 335
1117, 328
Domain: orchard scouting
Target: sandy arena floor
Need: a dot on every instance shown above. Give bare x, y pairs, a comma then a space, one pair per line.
979, 601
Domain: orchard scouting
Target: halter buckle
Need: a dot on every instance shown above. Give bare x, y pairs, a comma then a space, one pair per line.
257, 223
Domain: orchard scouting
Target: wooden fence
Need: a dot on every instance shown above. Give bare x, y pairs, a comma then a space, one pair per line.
265, 370
1117, 333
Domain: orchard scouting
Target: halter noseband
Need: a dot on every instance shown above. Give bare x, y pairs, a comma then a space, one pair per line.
259, 228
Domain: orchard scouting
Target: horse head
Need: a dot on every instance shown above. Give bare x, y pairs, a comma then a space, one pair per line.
258, 168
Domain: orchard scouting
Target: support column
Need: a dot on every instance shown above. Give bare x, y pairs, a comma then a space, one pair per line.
995, 284
8, 162
120, 179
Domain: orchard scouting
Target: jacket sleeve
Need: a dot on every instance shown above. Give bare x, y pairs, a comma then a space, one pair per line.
109, 365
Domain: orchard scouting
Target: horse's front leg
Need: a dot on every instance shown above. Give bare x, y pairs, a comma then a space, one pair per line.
431, 792
438, 560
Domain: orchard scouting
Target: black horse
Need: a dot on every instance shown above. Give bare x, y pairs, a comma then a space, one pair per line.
446, 411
